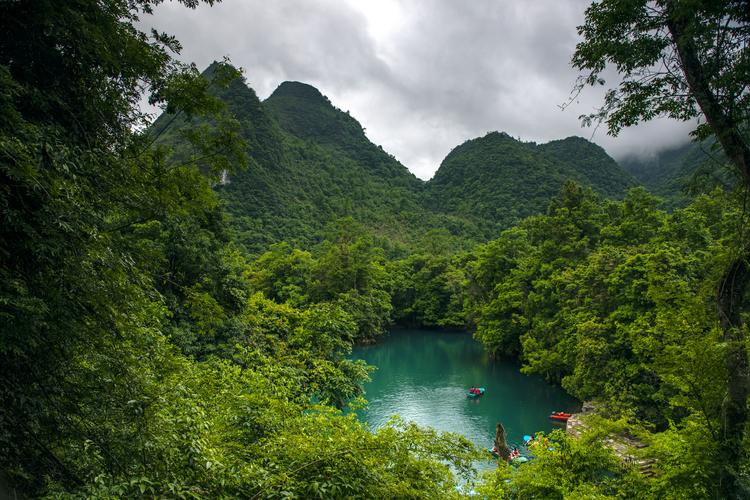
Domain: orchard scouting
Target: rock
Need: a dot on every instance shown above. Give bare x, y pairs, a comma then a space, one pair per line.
501, 445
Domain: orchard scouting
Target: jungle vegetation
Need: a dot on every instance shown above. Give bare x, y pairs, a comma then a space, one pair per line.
166, 333
676, 174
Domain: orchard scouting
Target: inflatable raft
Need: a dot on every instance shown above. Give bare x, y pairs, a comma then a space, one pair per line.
475, 394
560, 416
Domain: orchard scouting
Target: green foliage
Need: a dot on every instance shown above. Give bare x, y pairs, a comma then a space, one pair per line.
589, 295
283, 274
429, 291
215, 429
566, 468
677, 174
497, 181
688, 461
139, 354
349, 261
687, 60
615, 301
701, 57
348, 272
88, 213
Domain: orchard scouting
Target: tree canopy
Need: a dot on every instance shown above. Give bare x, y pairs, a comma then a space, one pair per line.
687, 60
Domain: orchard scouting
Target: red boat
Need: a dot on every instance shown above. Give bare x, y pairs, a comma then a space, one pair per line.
560, 416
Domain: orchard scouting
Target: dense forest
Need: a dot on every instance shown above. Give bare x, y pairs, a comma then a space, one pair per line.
179, 299
677, 173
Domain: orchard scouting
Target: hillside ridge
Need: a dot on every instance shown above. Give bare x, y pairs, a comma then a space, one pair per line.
312, 163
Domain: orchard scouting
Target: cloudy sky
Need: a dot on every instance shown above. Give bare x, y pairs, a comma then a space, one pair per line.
422, 76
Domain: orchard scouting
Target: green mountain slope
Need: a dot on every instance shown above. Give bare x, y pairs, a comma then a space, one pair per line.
302, 111
670, 174
310, 164
497, 180
590, 165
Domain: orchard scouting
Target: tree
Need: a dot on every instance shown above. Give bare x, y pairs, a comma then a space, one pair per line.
87, 208
686, 60
349, 260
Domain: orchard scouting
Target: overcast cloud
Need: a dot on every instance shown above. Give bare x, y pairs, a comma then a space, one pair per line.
422, 76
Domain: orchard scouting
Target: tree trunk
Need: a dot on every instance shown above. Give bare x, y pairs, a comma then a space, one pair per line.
734, 408
735, 281
720, 120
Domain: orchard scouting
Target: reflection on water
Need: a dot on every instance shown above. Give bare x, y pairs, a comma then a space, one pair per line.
423, 376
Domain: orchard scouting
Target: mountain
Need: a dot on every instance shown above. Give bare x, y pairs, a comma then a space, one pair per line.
590, 165
497, 180
302, 111
311, 163
671, 173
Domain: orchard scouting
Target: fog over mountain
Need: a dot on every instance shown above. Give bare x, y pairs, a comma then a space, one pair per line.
420, 76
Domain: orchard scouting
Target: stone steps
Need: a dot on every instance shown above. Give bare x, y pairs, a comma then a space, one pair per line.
622, 445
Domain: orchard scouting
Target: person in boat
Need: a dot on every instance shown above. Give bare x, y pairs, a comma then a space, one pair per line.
472, 391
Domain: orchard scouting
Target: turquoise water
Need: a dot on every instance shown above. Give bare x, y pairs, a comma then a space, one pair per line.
424, 375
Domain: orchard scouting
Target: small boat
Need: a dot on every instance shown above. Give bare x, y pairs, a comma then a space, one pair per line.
514, 459
475, 394
560, 416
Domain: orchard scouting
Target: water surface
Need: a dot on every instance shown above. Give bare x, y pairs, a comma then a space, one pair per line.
423, 376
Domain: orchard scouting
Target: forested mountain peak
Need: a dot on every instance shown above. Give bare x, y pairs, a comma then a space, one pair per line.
299, 90
497, 180
592, 165
311, 163
576, 148
491, 139
304, 112
576, 145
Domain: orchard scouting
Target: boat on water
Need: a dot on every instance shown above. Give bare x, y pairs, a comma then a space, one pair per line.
516, 457
478, 391
560, 416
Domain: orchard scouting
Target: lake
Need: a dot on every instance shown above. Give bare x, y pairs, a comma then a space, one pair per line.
424, 375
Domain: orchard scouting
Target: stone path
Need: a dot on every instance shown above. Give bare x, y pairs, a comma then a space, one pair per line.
621, 444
